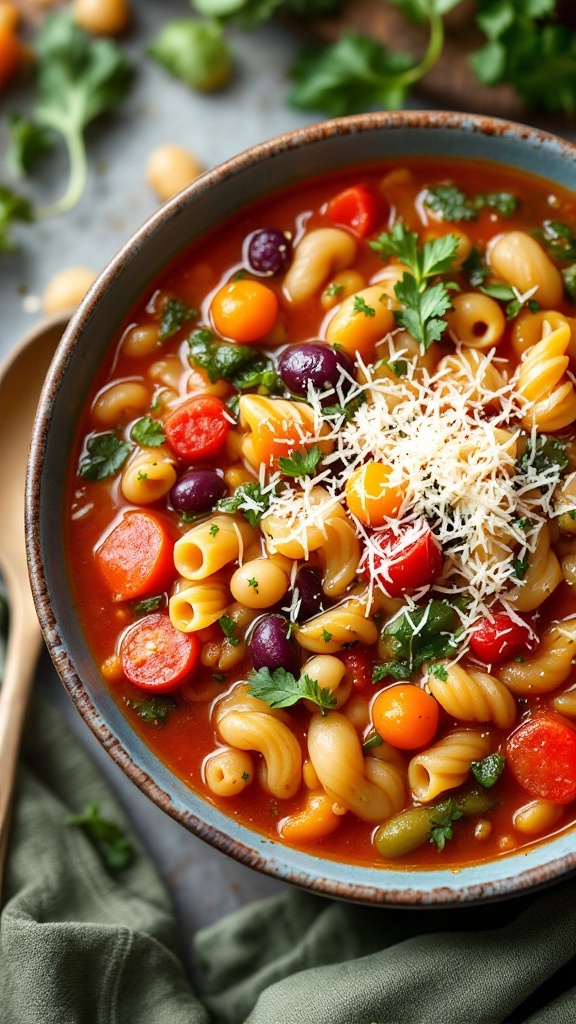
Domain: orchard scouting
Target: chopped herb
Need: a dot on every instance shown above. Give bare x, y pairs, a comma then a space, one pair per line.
219, 677
142, 475
522, 522
333, 289
416, 636
441, 821
424, 304
107, 836
519, 659
244, 366
558, 238
488, 771
476, 268
437, 670
453, 204
13, 207
259, 373
514, 305
148, 432
280, 689
398, 366
253, 583
360, 306
245, 776
240, 275
106, 454
569, 278
326, 636
250, 500
290, 629
174, 315
214, 529
504, 203
520, 567
228, 627
191, 517
299, 464
548, 455
149, 604
373, 740
348, 410
154, 710
28, 142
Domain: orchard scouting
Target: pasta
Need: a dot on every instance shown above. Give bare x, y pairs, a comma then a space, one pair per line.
322, 523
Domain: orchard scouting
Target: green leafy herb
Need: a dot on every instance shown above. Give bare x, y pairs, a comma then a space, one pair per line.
476, 268
348, 410
280, 689
441, 821
569, 278
547, 455
326, 636
194, 51
454, 205
290, 629
28, 142
398, 366
250, 500
214, 529
425, 304
249, 13
148, 432
514, 305
174, 315
149, 604
559, 239
107, 836
520, 567
78, 78
488, 771
245, 776
373, 740
416, 636
301, 464
333, 289
218, 676
154, 710
437, 670
228, 627
105, 455
360, 306
13, 207
244, 366
253, 583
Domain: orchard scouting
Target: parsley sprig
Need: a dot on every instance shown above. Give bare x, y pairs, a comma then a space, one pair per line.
280, 689
424, 303
301, 463
454, 205
441, 821
250, 500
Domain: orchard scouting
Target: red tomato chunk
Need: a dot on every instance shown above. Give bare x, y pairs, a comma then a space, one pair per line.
404, 564
198, 429
542, 757
359, 667
358, 208
500, 639
156, 656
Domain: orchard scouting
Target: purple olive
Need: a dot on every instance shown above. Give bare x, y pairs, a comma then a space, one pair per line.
270, 647
310, 594
269, 252
317, 363
197, 491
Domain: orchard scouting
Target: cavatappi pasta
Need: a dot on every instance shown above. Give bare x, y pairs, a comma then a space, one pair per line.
322, 524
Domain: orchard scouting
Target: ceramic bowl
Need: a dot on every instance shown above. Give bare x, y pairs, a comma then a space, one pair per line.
272, 165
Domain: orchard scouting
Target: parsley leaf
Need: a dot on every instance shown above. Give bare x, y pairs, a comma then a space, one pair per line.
154, 710
106, 454
372, 740
301, 464
348, 410
28, 142
441, 821
437, 670
149, 604
476, 268
361, 306
280, 689
244, 366
424, 305
107, 836
520, 567
194, 51
228, 627
488, 771
13, 207
454, 205
548, 455
514, 305
558, 238
259, 373
416, 636
148, 432
79, 78
174, 315
250, 500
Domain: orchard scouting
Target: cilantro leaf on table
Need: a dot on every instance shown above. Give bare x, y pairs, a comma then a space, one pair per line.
105, 455
558, 238
301, 463
424, 303
441, 821
280, 689
148, 432
488, 770
174, 315
548, 455
194, 51
13, 207
78, 79
107, 836
250, 500
154, 710
416, 636
28, 142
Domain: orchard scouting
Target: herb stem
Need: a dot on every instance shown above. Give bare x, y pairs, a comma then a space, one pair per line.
77, 180
435, 46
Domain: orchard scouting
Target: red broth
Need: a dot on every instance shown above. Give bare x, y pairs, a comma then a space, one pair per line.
181, 728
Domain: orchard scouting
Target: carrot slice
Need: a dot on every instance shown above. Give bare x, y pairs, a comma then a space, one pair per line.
137, 557
542, 757
358, 208
199, 428
156, 656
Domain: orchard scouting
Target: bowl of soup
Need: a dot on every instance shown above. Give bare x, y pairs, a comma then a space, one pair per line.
301, 508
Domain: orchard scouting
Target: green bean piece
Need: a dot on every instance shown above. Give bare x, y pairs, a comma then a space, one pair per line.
475, 802
404, 832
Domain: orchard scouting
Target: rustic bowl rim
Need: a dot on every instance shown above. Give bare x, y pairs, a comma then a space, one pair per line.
452, 894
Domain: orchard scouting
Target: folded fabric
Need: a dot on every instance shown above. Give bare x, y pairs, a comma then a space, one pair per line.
82, 945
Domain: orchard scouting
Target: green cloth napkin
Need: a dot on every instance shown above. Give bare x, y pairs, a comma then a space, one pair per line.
81, 945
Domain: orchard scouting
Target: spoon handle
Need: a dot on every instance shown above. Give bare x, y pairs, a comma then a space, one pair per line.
24, 641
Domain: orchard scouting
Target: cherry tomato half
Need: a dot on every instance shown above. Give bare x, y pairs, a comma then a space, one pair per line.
500, 639
542, 757
405, 716
404, 561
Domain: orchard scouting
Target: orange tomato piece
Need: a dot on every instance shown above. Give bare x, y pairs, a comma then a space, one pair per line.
137, 557
244, 310
405, 716
369, 495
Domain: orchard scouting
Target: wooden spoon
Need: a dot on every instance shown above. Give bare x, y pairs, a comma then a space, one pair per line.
22, 375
